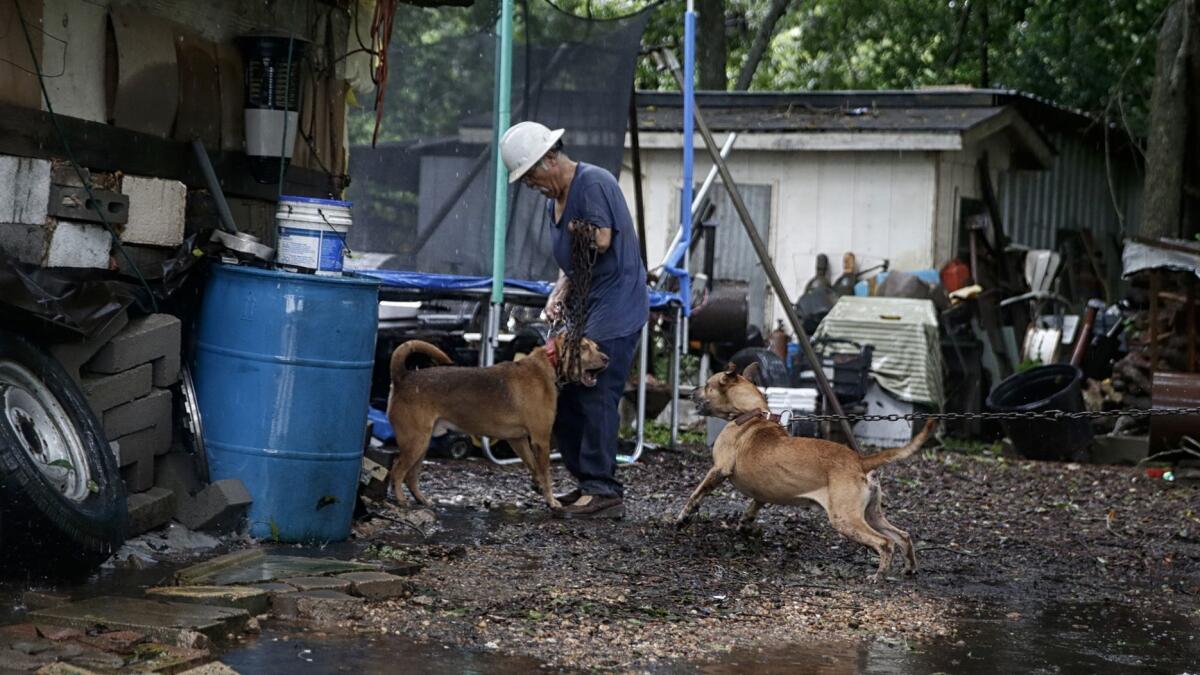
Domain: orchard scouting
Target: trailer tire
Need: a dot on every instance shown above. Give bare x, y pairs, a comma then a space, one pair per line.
62, 500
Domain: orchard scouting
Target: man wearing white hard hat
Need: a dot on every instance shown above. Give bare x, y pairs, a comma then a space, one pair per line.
616, 307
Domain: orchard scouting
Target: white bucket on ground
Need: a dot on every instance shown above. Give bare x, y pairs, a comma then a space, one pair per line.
312, 233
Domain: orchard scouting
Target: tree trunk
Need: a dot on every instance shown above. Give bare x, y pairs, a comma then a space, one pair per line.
762, 39
1163, 192
710, 42
1191, 172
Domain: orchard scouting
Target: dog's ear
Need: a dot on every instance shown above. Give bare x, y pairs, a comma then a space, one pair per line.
731, 372
752, 373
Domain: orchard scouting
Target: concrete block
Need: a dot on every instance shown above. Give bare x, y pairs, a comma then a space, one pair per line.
105, 392
72, 355
145, 259
320, 607
166, 369
176, 471
150, 509
156, 211
44, 599
159, 620
376, 585
142, 341
214, 668
24, 190
318, 583
58, 243
143, 445
143, 413
139, 476
252, 599
219, 507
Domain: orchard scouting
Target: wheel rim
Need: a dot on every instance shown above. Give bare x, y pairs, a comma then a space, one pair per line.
44, 431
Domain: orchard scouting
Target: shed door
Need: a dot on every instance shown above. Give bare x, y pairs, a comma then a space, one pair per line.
735, 258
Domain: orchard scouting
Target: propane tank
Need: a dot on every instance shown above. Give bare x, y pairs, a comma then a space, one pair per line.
778, 341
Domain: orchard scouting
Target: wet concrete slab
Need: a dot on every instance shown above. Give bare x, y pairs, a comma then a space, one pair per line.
256, 565
160, 620
254, 600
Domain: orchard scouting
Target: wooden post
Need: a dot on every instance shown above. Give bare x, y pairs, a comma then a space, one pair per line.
1191, 319
1154, 288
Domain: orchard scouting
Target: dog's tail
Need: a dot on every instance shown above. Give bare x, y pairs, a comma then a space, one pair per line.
896, 454
400, 357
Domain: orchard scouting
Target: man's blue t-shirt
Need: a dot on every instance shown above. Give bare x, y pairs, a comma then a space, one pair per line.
619, 303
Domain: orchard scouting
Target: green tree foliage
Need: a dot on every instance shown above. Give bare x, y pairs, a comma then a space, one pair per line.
1082, 54
1095, 55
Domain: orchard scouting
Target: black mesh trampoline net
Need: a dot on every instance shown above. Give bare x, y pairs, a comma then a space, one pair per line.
423, 195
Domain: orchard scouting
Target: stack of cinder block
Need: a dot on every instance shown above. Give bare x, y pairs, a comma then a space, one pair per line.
128, 385
45, 218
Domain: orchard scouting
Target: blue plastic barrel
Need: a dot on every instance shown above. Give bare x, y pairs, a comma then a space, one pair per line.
283, 378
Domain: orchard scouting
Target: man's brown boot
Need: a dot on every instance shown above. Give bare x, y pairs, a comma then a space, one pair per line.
593, 506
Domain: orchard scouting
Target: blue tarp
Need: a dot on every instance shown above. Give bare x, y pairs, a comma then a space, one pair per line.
382, 428
423, 281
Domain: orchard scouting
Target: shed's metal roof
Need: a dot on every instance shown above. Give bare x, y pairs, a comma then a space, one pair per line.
806, 118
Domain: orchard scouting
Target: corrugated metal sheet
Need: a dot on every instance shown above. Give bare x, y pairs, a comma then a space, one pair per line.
1073, 194
908, 356
735, 257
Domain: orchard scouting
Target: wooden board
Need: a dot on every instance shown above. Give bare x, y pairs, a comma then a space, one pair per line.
146, 94
18, 81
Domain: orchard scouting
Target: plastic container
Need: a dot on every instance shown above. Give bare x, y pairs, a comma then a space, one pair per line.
1054, 387
312, 234
283, 378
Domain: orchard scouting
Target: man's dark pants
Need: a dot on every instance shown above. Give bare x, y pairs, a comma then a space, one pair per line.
588, 421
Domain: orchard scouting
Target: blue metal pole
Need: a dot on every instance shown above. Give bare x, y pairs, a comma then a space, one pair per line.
689, 100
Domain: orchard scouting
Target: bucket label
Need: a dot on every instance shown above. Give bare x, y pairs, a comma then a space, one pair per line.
299, 247
331, 252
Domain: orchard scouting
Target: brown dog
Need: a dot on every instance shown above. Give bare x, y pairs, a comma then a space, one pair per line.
513, 402
766, 464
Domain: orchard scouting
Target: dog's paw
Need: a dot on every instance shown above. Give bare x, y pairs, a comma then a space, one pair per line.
875, 578
554, 504
682, 522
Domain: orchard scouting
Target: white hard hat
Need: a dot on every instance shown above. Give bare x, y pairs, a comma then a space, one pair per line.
523, 145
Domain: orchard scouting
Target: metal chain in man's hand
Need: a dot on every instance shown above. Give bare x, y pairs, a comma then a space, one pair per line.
583, 257
1049, 415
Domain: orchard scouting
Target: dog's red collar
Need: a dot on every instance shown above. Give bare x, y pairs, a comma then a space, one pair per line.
756, 414
551, 348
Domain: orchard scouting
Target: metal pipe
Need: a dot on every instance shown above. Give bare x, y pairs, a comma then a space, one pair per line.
639, 208
643, 365
697, 202
504, 27
214, 187
764, 257
675, 377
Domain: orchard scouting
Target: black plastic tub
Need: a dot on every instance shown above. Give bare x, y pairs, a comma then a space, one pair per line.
1055, 387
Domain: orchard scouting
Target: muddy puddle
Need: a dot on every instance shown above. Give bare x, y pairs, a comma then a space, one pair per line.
278, 650
1066, 638
1062, 638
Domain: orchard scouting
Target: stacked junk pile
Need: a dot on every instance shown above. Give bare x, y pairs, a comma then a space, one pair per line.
160, 365
1003, 329
101, 437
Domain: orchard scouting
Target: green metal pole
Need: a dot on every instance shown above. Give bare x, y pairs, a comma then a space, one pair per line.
504, 29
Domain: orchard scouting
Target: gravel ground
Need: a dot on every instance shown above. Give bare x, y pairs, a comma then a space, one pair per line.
500, 575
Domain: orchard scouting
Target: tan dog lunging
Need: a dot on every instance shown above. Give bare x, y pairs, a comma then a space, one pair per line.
514, 402
766, 464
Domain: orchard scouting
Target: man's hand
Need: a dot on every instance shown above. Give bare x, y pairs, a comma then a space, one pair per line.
557, 299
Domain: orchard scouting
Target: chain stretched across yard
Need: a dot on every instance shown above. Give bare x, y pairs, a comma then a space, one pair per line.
1049, 415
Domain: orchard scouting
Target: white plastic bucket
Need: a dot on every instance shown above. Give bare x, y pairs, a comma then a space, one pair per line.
312, 234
